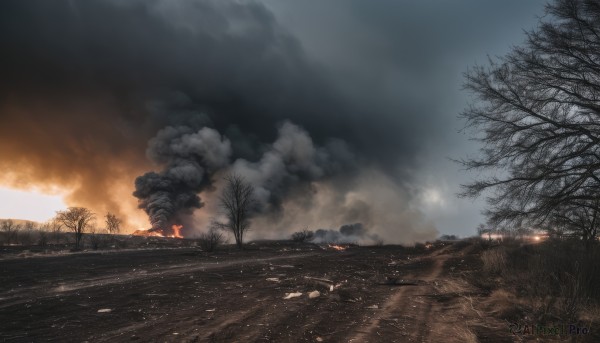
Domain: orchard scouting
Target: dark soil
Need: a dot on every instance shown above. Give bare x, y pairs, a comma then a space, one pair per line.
185, 295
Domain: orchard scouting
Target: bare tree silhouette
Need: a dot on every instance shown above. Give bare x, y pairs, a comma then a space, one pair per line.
236, 201
10, 231
55, 228
76, 219
538, 117
113, 224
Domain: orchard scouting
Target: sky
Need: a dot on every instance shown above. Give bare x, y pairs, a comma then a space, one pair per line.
17, 204
338, 112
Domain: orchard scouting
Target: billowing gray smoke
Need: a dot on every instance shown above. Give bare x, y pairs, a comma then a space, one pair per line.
349, 233
297, 184
291, 162
190, 159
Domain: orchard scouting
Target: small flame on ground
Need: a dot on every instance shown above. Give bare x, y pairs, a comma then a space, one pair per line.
337, 247
176, 229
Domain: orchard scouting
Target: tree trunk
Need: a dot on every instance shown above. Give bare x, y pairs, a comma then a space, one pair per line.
77, 240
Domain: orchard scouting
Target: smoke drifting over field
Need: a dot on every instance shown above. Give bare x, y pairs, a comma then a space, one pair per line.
349, 233
97, 94
296, 183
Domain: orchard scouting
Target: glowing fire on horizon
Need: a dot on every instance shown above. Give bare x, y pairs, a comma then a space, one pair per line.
174, 233
337, 247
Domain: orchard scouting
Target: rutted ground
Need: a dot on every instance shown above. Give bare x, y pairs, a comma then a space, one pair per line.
184, 295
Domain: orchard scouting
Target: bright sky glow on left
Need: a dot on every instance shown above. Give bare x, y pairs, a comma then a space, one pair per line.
29, 205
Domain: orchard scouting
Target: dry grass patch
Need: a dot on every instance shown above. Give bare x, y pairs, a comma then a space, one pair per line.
505, 305
465, 335
495, 260
453, 286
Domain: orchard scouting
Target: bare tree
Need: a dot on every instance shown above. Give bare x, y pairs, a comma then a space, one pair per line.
538, 117
96, 237
55, 228
481, 230
76, 219
113, 224
523, 232
303, 236
10, 230
581, 220
236, 201
26, 235
209, 241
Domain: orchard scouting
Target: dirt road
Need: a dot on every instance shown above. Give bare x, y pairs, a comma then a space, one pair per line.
407, 311
186, 296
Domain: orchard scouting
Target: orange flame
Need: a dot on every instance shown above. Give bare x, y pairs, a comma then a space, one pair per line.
176, 231
160, 233
147, 233
336, 247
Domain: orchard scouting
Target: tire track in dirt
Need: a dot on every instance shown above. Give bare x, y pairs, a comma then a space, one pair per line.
183, 301
407, 311
221, 327
199, 325
23, 295
261, 320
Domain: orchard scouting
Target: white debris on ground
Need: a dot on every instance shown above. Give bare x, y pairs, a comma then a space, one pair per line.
314, 294
292, 295
284, 266
104, 310
273, 279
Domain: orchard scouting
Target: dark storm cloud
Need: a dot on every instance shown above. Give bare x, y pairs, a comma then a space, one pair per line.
230, 60
403, 61
86, 84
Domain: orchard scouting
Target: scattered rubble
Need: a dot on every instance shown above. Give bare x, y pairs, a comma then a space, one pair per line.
314, 294
292, 295
393, 281
327, 284
333, 295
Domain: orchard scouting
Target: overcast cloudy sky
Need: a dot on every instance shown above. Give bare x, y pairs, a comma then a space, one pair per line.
406, 59
86, 85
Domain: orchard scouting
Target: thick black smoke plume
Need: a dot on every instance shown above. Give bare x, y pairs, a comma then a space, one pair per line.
190, 159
